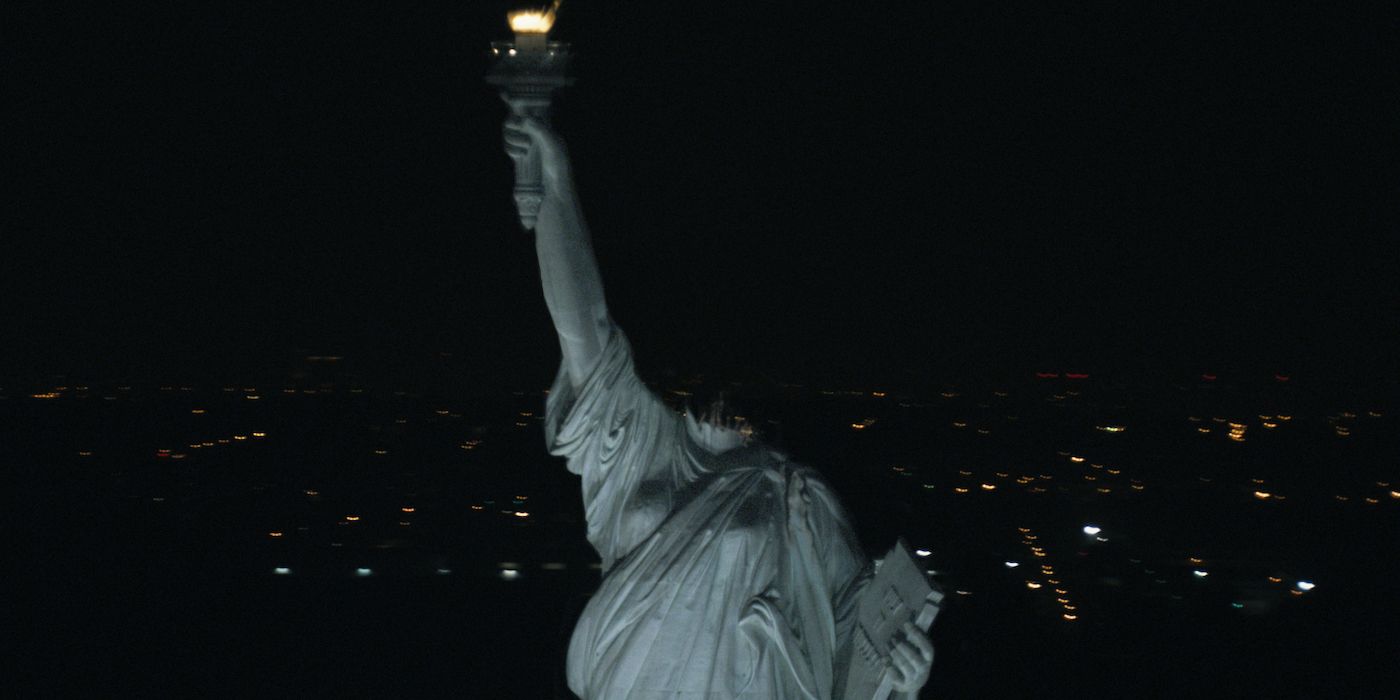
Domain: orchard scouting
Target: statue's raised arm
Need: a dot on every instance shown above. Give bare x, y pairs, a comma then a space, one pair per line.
573, 288
613, 431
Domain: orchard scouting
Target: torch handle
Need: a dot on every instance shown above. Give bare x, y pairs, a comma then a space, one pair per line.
529, 171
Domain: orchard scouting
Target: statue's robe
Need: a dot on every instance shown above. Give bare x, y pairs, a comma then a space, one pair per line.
709, 589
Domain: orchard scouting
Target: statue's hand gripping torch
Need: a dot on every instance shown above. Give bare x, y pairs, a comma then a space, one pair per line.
528, 71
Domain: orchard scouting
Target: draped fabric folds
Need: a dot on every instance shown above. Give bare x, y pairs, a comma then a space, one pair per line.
714, 586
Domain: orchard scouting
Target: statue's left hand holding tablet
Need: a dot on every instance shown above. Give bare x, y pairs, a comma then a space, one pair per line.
910, 662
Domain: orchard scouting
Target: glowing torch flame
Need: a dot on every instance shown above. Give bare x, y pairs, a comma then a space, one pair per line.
533, 21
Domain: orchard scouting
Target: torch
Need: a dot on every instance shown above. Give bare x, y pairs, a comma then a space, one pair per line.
528, 71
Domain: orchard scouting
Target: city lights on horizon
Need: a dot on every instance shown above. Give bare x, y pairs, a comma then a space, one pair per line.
1095, 465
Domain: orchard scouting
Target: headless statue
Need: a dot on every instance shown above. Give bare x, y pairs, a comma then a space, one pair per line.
728, 570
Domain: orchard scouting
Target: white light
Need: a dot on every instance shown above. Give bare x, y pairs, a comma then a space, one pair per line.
1101, 539
1306, 585
444, 572
281, 571
362, 571
1012, 564
922, 552
1200, 574
1092, 530
510, 574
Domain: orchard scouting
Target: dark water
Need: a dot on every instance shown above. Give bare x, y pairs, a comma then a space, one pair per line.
155, 576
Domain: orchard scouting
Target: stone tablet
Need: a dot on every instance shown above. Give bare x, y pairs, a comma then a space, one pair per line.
898, 593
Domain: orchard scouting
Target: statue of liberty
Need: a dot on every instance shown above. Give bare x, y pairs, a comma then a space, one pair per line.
728, 570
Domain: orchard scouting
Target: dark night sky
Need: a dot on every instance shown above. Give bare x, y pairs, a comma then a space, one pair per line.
858, 192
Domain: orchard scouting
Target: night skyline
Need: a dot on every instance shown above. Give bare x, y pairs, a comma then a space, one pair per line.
1093, 310
822, 192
